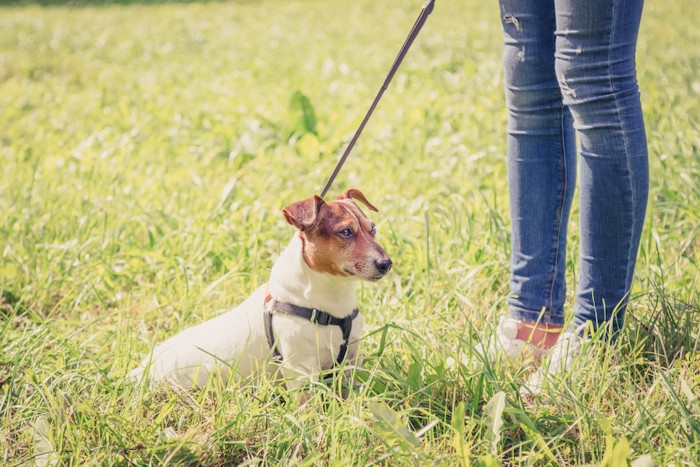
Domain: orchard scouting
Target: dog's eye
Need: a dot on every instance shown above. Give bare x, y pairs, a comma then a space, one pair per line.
373, 229
345, 233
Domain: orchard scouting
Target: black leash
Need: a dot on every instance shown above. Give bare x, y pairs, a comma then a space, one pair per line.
425, 11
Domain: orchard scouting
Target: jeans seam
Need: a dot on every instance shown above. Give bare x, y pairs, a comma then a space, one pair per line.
560, 213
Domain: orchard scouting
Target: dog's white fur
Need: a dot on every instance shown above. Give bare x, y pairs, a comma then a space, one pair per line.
236, 339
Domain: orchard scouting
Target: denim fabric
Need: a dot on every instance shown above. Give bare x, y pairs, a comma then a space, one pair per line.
570, 75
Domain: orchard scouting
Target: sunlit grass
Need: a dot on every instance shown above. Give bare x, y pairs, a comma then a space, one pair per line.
147, 152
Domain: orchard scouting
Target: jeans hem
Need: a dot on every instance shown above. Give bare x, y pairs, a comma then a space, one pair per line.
543, 316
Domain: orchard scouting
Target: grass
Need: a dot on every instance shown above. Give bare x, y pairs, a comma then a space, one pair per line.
147, 151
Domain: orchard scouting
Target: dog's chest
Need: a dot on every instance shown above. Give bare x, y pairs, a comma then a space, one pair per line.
316, 345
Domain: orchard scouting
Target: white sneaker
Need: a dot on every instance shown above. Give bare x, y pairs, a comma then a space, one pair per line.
561, 358
504, 342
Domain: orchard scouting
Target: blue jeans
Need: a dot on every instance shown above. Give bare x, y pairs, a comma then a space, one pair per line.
570, 75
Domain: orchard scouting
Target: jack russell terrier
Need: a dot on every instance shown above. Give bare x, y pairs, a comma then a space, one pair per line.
305, 317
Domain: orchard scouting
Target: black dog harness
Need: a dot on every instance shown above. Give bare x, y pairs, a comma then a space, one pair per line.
315, 316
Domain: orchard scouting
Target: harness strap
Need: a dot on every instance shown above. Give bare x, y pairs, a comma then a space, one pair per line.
267, 315
317, 317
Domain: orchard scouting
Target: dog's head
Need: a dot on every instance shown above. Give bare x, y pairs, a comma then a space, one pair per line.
338, 238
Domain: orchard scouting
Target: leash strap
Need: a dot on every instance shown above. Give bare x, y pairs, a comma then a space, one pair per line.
317, 317
425, 12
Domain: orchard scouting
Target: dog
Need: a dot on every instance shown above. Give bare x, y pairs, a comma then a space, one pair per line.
303, 321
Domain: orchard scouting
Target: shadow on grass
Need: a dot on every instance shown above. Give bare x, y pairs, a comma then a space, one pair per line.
10, 305
669, 332
87, 3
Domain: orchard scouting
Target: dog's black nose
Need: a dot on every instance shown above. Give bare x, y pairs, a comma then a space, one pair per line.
383, 266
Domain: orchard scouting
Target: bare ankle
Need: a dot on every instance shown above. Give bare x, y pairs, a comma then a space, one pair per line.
540, 335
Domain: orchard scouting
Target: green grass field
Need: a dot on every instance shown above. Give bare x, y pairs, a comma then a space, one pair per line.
146, 153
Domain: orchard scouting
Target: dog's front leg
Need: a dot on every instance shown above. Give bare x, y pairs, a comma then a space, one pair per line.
297, 376
352, 374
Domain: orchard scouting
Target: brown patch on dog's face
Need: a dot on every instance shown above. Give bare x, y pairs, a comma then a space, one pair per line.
338, 238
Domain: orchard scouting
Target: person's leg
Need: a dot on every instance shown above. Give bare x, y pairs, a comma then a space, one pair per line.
595, 66
541, 165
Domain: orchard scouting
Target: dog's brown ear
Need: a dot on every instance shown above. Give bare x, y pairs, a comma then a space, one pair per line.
355, 194
303, 214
